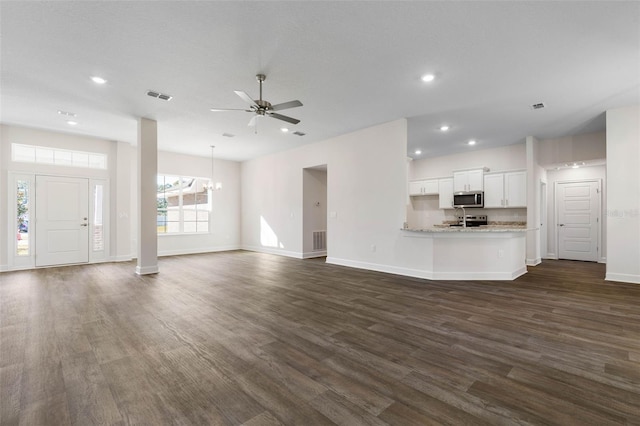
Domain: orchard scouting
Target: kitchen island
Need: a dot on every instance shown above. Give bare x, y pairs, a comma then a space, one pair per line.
476, 253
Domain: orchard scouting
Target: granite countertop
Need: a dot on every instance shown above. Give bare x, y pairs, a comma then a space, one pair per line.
475, 229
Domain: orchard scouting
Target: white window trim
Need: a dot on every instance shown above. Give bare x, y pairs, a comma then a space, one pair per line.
181, 210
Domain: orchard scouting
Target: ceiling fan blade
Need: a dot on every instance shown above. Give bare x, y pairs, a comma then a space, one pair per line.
229, 109
286, 105
285, 118
245, 97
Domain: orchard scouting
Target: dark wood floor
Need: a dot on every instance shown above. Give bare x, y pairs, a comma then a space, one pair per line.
256, 339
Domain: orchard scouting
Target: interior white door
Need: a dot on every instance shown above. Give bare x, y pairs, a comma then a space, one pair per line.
578, 206
62, 212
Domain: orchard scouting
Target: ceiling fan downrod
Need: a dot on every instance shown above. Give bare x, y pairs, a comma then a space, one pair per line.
261, 78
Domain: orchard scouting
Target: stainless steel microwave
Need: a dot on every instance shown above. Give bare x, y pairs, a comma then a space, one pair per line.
468, 199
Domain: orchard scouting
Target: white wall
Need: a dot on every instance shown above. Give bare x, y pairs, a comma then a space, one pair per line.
585, 147
510, 157
366, 193
623, 194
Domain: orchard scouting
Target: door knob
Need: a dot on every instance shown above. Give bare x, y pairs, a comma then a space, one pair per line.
562, 224
84, 224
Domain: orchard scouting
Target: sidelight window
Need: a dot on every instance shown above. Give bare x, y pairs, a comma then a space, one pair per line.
23, 193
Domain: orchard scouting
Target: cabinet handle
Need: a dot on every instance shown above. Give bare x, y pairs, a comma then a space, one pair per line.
506, 202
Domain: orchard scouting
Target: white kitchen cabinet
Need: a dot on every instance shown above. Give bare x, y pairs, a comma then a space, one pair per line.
505, 189
423, 187
494, 190
468, 180
445, 193
515, 189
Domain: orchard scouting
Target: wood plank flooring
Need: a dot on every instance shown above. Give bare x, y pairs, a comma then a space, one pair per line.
242, 338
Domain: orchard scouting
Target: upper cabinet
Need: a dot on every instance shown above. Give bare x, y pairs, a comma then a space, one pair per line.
445, 190
505, 189
423, 187
468, 180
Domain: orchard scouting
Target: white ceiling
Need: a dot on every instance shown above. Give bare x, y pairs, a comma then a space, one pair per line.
352, 64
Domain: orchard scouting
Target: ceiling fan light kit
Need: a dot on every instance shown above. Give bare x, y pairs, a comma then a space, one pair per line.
262, 108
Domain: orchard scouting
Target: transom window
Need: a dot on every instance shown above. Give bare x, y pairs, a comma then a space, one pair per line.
59, 157
183, 205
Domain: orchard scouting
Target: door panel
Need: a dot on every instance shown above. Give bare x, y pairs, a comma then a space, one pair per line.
578, 218
62, 211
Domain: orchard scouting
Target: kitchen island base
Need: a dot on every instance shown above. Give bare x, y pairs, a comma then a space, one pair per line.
466, 255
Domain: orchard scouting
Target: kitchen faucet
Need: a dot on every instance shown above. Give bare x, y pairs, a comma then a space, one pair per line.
464, 216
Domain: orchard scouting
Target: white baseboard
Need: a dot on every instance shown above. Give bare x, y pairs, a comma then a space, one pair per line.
197, 251
429, 275
472, 276
270, 250
122, 258
312, 254
551, 256
602, 260
147, 270
416, 273
534, 262
4, 268
624, 278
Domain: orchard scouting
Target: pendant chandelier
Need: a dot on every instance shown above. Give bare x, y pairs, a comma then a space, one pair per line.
217, 185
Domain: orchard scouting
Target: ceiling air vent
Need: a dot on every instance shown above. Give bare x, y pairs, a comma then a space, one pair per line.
162, 96
299, 133
539, 105
228, 135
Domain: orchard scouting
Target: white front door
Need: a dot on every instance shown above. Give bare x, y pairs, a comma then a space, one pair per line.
62, 212
578, 218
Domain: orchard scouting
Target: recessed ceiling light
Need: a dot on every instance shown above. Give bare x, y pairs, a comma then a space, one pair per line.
444, 128
72, 123
418, 152
284, 129
98, 80
428, 77
471, 142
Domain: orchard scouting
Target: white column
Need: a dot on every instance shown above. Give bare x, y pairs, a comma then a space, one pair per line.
623, 195
533, 202
147, 189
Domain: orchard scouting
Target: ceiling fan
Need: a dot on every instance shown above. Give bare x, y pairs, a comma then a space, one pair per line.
262, 108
